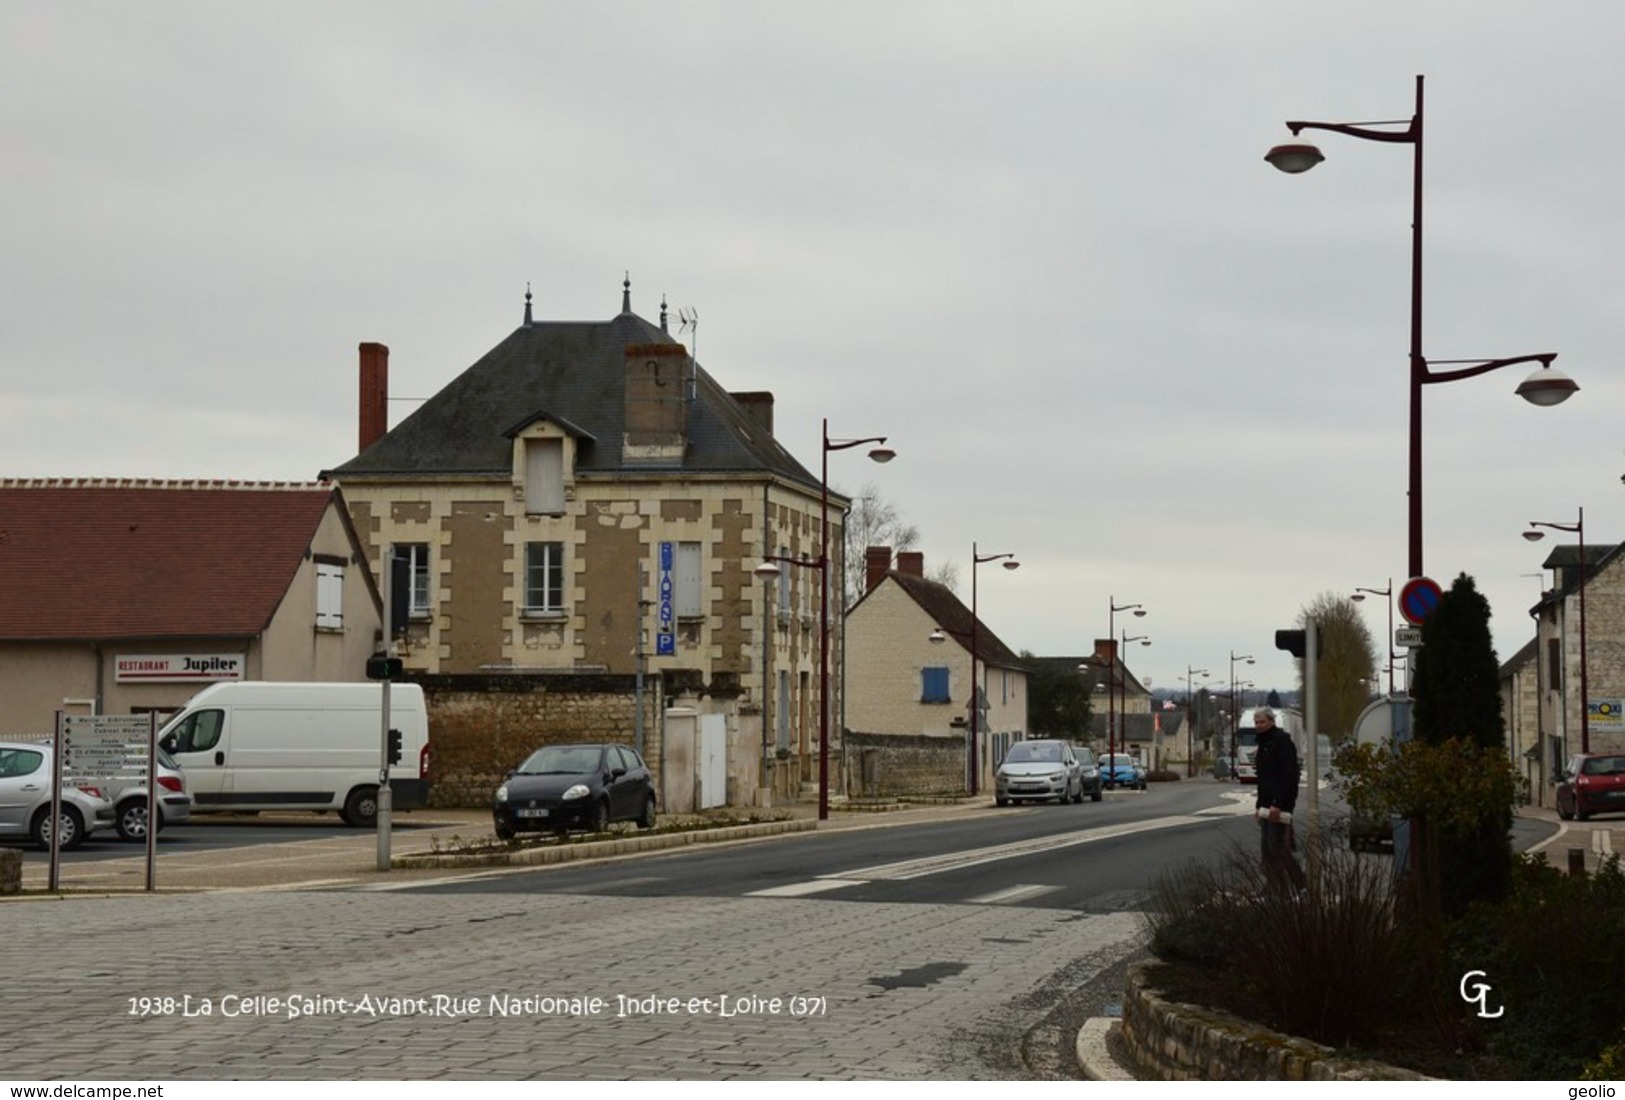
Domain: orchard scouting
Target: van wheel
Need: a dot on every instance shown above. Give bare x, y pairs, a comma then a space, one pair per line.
646, 820
132, 820
73, 829
361, 808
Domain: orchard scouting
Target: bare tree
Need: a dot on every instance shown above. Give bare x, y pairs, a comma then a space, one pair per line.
875, 521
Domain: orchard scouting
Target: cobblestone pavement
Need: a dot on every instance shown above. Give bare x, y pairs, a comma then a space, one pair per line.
886, 991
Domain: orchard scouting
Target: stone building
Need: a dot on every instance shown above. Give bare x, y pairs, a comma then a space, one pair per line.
586, 498
910, 673
1557, 660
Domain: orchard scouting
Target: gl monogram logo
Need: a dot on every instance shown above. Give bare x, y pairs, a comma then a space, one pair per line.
1480, 992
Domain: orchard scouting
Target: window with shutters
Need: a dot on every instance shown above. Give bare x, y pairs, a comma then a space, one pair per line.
329, 596
689, 589
544, 477
934, 685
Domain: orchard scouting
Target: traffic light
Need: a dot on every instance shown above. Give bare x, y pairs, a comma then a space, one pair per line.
384, 668
394, 746
1296, 641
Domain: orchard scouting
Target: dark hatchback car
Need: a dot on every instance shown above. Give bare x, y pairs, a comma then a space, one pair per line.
561, 787
1591, 784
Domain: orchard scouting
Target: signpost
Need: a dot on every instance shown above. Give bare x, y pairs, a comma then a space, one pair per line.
1418, 599
95, 749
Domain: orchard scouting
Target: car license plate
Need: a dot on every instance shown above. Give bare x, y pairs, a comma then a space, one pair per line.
530, 811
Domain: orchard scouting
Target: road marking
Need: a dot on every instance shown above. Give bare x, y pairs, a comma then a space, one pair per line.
1011, 895
802, 889
954, 861
1602, 842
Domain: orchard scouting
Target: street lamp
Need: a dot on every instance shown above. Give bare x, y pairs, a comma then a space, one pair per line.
937, 637
1387, 594
1579, 528
1235, 711
879, 453
1545, 386
1111, 670
1122, 681
1190, 720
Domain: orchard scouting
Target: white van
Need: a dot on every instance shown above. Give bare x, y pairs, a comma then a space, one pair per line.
249, 745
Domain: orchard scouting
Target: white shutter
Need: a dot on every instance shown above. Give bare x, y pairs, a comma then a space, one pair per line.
329, 596
544, 476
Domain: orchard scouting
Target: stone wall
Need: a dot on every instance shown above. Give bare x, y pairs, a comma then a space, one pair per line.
885, 765
1181, 1042
482, 726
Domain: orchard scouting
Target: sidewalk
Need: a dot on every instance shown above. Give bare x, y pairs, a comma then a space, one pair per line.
327, 858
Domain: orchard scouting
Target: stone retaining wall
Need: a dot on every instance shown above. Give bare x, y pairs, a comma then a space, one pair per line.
886, 765
1181, 1042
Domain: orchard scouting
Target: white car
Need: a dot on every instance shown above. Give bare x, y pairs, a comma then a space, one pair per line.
25, 799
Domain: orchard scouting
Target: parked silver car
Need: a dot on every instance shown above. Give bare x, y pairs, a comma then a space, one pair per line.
25, 799
129, 799
1039, 770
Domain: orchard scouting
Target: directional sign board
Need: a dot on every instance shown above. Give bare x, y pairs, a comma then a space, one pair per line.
1418, 599
105, 746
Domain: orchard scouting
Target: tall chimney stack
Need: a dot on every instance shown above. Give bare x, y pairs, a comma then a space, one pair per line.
374, 415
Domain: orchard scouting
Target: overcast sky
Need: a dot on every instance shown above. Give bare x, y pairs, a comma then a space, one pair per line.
1035, 244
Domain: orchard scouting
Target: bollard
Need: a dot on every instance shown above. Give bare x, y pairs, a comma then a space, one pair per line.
1577, 861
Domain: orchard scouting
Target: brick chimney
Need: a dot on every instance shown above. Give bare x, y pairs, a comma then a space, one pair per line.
759, 407
911, 562
876, 563
1106, 653
657, 382
374, 416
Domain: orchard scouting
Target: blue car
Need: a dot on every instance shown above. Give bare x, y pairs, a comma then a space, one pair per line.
1120, 770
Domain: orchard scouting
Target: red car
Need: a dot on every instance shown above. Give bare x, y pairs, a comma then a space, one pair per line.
1591, 784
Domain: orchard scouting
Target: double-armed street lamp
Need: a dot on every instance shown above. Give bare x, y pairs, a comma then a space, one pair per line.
1190, 720
1112, 661
878, 453
1235, 711
1546, 386
1578, 527
1387, 593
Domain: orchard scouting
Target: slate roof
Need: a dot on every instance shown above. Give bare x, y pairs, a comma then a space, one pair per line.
574, 373
100, 560
945, 609
1565, 560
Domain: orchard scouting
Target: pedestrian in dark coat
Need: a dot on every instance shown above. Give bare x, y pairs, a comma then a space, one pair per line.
1277, 762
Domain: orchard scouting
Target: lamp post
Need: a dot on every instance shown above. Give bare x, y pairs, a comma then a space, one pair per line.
977, 559
1387, 594
1545, 386
1112, 661
1122, 681
879, 453
1235, 711
1578, 527
1190, 720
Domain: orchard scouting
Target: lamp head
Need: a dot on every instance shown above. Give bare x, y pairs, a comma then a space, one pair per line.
1546, 387
882, 454
1534, 535
937, 637
1293, 157
1139, 612
1357, 597
1012, 563
767, 570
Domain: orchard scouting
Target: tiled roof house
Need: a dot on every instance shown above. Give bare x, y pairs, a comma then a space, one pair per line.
123, 596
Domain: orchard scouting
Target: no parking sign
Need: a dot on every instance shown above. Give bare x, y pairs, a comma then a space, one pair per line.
1418, 599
